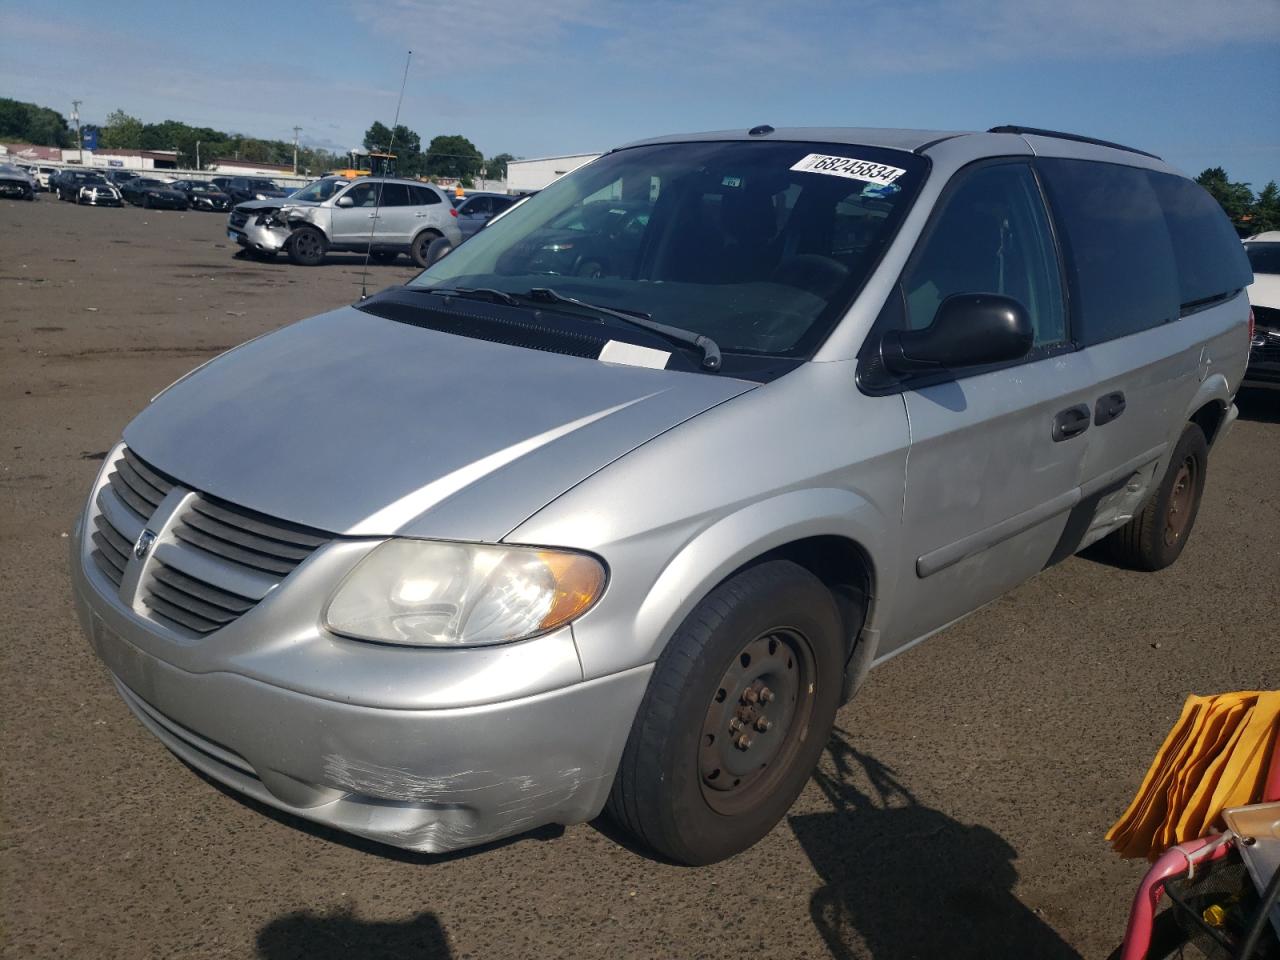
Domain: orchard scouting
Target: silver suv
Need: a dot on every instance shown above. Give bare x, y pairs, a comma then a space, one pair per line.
519, 542
383, 216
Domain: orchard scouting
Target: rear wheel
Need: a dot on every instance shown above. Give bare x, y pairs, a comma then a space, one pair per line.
428, 248
306, 247
736, 714
1157, 534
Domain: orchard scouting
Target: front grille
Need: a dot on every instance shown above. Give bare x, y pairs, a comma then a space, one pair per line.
1266, 347
219, 563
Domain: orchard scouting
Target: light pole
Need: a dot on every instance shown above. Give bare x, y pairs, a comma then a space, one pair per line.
296, 131
75, 115
198, 155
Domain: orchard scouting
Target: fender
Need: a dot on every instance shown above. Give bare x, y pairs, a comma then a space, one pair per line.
1213, 387
734, 540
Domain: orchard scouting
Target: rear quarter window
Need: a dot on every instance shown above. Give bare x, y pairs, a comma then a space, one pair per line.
1120, 260
1210, 259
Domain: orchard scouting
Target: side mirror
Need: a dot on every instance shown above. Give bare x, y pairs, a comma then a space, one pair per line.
345, 202
969, 330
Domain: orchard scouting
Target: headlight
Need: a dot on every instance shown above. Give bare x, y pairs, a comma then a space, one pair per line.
436, 594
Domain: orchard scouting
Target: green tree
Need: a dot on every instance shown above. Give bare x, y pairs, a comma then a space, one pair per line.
496, 167
1236, 198
1266, 209
31, 123
377, 137
453, 155
121, 131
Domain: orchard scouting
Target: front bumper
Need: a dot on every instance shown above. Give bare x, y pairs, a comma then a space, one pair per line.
257, 236
94, 201
335, 731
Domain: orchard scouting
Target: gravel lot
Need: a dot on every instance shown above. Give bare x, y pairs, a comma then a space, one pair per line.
959, 811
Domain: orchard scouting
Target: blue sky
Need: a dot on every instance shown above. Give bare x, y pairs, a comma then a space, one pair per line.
1197, 82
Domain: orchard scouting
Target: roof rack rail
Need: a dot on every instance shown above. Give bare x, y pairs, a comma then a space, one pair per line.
1059, 135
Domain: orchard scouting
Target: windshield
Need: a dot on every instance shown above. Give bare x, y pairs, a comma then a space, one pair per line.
204, 188
759, 245
263, 185
1263, 257
319, 189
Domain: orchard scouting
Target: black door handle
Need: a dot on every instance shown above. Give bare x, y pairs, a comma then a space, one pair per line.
1108, 408
1071, 422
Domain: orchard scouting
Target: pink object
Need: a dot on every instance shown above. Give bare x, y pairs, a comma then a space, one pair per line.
1177, 862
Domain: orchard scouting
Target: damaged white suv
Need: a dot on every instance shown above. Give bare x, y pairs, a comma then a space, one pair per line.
386, 217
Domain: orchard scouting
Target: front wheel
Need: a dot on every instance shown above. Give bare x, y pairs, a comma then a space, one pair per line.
737, 712
1157, 534
306, 247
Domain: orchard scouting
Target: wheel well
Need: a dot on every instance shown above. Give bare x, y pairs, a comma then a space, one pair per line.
1209, 418
428, 232
846, 570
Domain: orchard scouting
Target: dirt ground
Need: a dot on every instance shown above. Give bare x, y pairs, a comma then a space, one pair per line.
959, 811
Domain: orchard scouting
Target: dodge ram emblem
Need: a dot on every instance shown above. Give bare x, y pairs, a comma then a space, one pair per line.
145, 539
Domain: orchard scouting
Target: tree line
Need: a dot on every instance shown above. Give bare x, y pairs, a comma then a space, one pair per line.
450, 155
1248, 213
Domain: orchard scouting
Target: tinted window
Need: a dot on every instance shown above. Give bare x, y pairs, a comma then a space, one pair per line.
475, 207
423, 196
1263, 257
501, 203
1119, 257
395, 195
992, 236
1211, 262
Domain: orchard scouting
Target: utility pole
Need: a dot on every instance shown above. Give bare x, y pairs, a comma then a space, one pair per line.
198, 167
296, 131
75, 115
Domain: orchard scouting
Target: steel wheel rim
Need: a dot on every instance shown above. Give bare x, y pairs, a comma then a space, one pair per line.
1181, 501
757, 720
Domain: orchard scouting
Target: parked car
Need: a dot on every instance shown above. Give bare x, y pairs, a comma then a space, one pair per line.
16, 183
477, 209
151, 193
386, 217
242, 189
500, 548
203, 196
120, 177
1263, 252
43, 174
95, 190
68, 183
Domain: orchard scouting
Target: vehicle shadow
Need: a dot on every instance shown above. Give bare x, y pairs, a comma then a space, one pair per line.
330, 260
339, 935
352, 842
901, 880
1262, 406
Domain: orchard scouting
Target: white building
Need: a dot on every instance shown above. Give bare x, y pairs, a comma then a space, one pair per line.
526, 175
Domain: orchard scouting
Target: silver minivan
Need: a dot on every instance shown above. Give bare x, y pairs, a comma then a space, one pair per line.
381, 216
508, 546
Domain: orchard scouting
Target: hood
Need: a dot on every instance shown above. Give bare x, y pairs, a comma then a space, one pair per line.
262, 206
1265, 290
361, 425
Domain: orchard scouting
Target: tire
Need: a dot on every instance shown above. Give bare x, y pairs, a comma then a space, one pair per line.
384, 256
306, 247
429, 247
146, 202
1157, 534
687, 787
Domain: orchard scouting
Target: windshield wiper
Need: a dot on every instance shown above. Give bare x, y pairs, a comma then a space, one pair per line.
475, 293
710, 351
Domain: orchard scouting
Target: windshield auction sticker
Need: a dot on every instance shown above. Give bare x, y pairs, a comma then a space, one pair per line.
863, 170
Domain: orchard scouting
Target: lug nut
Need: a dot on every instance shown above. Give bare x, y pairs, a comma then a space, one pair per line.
766, 695
735, 725
763, 724
744, 742
750, 696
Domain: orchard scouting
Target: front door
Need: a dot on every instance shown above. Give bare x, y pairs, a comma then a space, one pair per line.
996, 455
352, 225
